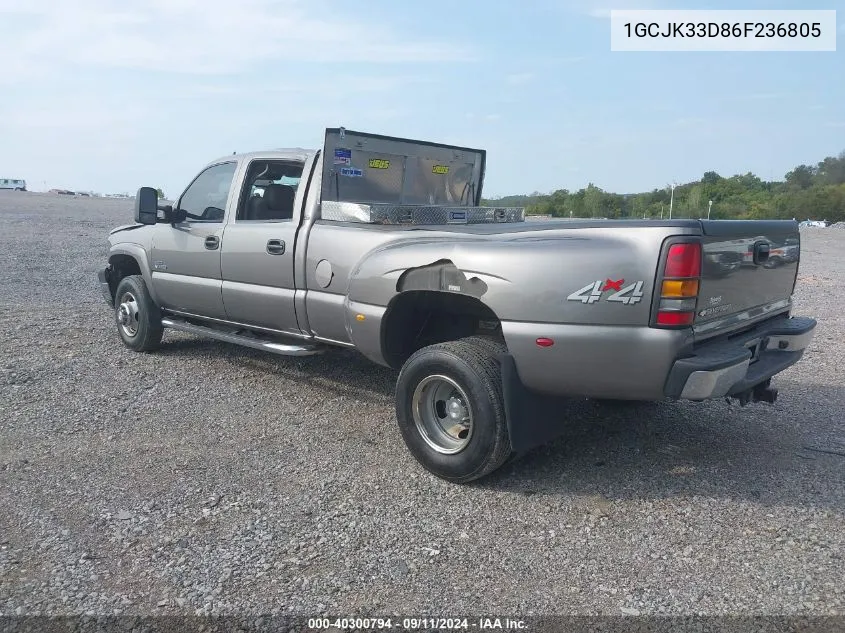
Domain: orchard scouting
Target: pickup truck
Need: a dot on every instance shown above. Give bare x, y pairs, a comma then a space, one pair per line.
382, 244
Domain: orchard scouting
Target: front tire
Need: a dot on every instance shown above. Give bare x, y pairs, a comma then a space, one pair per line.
138, 317
450, 409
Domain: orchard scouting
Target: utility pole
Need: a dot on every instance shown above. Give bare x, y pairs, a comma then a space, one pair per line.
672, 200
709, 207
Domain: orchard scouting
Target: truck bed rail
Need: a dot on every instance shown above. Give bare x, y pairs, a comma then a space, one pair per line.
380, 213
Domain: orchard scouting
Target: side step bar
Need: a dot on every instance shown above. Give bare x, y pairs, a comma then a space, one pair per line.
267, 346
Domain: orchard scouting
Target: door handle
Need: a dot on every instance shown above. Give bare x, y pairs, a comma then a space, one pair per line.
276, 247
212, 242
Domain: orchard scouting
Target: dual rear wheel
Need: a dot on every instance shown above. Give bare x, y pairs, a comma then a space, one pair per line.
450, 408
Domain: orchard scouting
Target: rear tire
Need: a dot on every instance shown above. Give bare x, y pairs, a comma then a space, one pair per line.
450, 409
138, 317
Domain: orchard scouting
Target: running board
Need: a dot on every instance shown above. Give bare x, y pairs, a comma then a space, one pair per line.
267, 346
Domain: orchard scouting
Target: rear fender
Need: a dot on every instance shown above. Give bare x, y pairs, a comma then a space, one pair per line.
386, 272
578, 276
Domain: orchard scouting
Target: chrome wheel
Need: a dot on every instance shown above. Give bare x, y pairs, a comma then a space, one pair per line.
127, 314
442, 414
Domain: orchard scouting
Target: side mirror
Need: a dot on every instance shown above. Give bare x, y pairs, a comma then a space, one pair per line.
146, 206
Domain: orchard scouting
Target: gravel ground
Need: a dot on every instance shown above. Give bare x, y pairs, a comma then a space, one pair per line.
210, 478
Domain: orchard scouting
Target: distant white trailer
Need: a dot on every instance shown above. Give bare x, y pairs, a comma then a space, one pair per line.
12, 183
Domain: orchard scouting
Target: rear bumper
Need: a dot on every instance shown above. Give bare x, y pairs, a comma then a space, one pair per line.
633, 364
734, 366
103, 280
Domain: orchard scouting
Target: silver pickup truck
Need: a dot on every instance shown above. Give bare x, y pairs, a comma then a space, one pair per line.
381, 244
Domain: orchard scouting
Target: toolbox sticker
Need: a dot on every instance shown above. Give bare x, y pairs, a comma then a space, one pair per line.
440, 169
351, 172
379, 163
342, 156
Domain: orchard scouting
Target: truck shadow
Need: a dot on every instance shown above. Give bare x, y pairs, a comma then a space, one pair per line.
791, 453
339, 372
760, 453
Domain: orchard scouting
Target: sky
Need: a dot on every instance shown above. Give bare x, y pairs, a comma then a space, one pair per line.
107, 96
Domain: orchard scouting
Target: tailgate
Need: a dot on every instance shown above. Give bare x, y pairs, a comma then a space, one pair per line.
748, 271
370, 168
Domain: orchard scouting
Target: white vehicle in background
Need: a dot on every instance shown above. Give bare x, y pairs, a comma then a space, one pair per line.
820, 224
11, 183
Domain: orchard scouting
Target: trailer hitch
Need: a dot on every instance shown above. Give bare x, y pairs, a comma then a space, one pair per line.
763, 392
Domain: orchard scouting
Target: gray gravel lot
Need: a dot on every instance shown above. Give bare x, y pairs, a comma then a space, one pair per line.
214, 478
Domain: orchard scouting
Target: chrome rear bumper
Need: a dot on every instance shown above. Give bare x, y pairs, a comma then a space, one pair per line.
729, 368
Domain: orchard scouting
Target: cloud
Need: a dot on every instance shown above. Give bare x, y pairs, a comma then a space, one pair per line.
601, 9
73, 141
690, 122
345, 84
490, 118
568, 60
196, 36
599, 12
758, 96
519, 79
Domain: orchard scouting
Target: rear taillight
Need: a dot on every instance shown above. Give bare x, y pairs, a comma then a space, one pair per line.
683, 261
679, 289
679, 286
675, 319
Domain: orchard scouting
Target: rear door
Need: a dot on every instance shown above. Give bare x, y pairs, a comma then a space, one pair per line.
186, 257
748, 271
361, 167
258, 250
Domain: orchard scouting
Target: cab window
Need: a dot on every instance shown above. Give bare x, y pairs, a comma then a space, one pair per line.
205, 199
269, 191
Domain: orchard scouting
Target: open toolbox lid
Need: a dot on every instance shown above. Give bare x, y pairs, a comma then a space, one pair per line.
369, 168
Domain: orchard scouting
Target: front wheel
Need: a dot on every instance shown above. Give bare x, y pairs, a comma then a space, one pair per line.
138, 318
450, 409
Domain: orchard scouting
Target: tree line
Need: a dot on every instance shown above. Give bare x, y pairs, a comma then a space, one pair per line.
814, 192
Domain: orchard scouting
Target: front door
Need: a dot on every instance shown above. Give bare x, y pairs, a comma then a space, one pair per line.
186, 257
257, 254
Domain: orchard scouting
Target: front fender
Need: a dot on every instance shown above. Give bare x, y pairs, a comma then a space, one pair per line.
139, 254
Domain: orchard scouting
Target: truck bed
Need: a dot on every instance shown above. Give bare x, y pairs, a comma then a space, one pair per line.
734, 291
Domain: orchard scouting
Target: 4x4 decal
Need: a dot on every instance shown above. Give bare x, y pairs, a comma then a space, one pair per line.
593, 292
